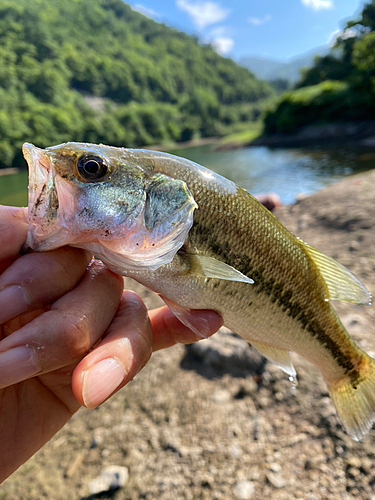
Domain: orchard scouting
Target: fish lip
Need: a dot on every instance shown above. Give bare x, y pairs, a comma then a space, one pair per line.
41, 182
39, 168
39, 171
32, 154
36, 157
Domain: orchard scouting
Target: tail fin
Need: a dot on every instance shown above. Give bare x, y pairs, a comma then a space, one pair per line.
355, 399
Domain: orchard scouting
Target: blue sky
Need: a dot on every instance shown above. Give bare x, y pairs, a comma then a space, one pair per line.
279, 29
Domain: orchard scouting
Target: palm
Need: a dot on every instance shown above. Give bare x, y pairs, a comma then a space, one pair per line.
31, 412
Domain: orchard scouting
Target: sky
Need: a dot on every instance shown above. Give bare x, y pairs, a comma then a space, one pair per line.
276, 29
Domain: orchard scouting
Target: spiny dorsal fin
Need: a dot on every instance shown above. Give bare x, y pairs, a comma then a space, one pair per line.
280, 357
209, 267
341, 283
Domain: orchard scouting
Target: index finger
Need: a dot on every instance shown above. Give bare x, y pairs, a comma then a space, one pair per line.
168, 330
13, 230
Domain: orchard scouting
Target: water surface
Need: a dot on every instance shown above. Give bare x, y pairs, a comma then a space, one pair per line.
286, 172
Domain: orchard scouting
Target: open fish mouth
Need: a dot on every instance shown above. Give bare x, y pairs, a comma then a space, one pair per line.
40, 175
43, 200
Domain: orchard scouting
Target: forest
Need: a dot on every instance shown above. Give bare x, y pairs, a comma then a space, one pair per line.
98, 71
338, 87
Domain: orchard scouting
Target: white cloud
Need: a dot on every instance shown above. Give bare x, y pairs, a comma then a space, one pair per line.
344, 35
223, 45
258, 21
221, 39
349, 33
145, 11
333, 37
318, 4
203, 13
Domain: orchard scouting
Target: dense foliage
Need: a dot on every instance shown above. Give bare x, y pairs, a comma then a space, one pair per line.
95, 70
339, 86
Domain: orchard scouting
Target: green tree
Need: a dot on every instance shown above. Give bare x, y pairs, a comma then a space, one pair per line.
339, 86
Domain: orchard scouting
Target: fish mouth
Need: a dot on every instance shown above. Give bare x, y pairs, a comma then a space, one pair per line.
43, 200
39, 172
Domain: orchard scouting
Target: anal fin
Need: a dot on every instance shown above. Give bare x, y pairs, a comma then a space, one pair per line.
280, 357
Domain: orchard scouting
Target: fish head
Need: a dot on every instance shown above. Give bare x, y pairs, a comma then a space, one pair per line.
102, 199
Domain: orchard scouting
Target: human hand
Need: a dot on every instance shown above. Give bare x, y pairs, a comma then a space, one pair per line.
69, 336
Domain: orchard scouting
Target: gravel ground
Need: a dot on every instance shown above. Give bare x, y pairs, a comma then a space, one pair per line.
215, 421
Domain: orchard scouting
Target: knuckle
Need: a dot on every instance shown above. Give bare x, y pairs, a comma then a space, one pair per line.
77, 334
67, 262
146, 348
144, 339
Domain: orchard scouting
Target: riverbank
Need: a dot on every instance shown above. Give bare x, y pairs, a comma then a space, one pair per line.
9, 171
174, 146
360, 133
222, 428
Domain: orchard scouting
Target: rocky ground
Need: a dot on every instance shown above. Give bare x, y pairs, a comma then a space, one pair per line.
214, 421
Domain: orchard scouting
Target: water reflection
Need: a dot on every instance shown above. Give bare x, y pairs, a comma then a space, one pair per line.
286, 172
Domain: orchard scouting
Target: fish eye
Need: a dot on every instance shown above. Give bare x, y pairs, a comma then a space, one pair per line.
91, 167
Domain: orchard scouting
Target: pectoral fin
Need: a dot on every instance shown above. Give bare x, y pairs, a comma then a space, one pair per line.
200, 265
341, 283
280, 357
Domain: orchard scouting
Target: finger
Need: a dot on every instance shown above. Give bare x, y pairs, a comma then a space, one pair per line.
20, 321
37, 279
66, 332
168, 330
127, 347
124, 351
13, 230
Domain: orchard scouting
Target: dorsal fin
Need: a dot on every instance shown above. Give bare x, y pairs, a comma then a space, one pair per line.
341, 283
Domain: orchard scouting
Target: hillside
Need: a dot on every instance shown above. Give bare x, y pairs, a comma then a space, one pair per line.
95, 70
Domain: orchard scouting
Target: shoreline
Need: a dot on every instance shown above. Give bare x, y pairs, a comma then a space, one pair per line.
9, 171
174, 146
353, 133
330, 134
360, 133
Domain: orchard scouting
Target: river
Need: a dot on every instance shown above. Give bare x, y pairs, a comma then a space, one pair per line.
287, 172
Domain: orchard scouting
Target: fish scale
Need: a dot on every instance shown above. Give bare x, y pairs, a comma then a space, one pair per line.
202, 242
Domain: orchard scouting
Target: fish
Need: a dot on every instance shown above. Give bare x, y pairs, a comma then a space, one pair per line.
202, 242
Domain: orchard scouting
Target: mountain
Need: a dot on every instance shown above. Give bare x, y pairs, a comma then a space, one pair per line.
272, 69
98, 71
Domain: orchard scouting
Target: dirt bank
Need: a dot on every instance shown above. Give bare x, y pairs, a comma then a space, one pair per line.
361, 133
192, 430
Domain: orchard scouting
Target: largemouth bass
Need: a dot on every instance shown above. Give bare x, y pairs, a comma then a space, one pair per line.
202, 242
